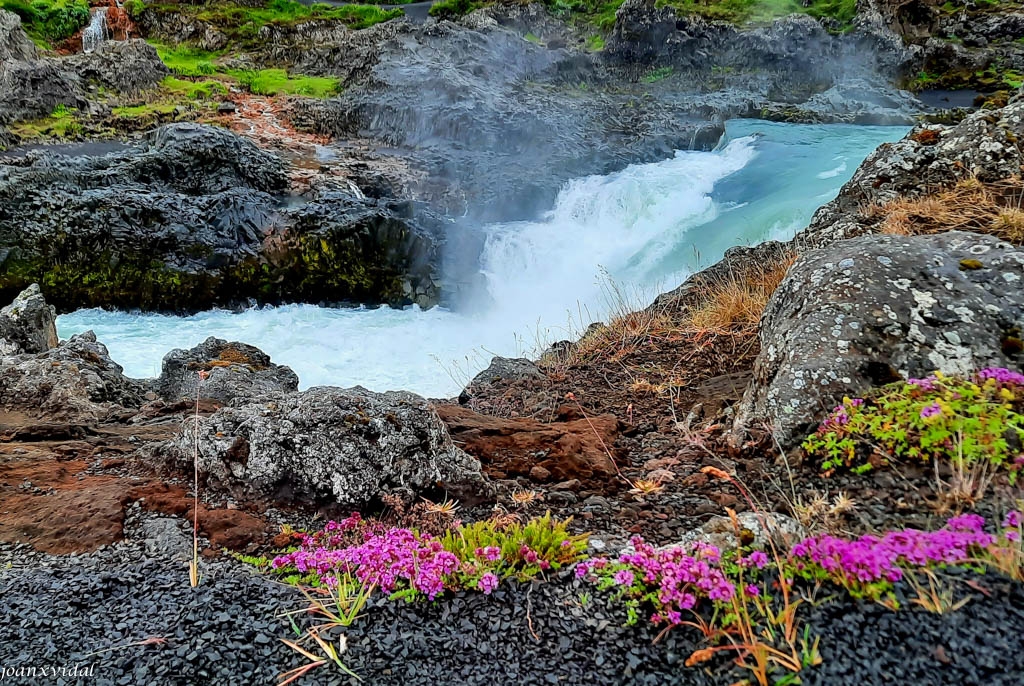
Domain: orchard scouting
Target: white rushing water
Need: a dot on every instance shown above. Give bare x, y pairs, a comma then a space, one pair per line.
96, 32
642, 229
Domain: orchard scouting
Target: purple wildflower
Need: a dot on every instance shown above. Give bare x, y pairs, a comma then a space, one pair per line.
931, 411
488, 582
624, 577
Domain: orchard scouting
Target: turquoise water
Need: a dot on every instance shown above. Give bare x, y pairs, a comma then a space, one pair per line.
639, 231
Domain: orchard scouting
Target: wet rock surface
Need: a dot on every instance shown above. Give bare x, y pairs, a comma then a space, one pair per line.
194, 218
349, 446
125, 66
233, 371
874, 309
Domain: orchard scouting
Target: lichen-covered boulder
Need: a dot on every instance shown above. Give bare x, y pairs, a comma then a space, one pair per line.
28, 325
348, 446
874, 309
73, 382
233, 370
500, 369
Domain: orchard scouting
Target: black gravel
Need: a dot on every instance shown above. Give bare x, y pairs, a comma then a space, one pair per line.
228, 631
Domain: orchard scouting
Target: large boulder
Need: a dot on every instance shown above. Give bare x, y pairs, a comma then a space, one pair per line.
348, 446
984, 145
234, 371
73, 382
33, 89
28, 325
195, 217
125, 66
870, 310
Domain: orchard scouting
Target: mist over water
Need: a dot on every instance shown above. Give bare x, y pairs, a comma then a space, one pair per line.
643, 229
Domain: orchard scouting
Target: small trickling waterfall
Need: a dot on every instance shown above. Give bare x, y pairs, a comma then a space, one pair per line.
96, 32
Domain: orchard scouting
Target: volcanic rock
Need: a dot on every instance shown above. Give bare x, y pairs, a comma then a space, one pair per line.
234, 370
348, 446
525, 447
871, 310
28, 325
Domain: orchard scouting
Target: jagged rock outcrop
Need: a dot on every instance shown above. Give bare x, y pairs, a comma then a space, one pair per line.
34, 89
28, 325
985, 145
177, 27
867, 311
195, 218
348, 446
73, 382
125, 66
14, 44
233, 371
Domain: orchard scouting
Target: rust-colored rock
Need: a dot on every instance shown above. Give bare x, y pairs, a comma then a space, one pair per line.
514, 447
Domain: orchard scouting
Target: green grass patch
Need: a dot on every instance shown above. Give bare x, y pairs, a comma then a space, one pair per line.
453, 9
279, 82
658, 74
47, 21
62, 124
186, 60
193, 90
532, 38
157, 109
595, 43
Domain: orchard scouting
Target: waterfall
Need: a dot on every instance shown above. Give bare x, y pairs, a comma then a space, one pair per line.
96, 32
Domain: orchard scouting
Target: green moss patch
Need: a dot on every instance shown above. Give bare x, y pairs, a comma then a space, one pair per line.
279, 82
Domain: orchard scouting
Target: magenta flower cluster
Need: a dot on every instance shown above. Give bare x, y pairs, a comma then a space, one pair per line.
1002, 376
677, 579
680, 577
872, 558
385, 560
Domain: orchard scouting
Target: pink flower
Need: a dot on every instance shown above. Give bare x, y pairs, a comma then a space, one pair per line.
624, 577
931, 411
488, 582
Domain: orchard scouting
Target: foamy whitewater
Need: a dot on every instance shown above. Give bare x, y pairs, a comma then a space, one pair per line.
641, 231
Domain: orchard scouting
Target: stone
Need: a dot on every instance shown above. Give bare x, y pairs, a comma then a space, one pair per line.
75, 382
193, 219
128, 66
345, 446
28, 325
500, 369
756, 529
235, 371
870, 310
527, 447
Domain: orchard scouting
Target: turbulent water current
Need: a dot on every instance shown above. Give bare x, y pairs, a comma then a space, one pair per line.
628, 235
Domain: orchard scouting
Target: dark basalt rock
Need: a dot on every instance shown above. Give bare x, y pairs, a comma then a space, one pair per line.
194, 219
866, 311
348, 446
125, 66
234, 371
14, 44
165, 24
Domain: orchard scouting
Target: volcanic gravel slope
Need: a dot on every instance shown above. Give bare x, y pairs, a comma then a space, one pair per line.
227, 631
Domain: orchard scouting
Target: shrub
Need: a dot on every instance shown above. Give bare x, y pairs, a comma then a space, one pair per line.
969, 421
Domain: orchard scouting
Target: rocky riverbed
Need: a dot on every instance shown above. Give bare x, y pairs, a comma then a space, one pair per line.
888, 331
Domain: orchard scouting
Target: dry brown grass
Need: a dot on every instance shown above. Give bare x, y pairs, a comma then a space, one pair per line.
970, 205
725, 302
734, 304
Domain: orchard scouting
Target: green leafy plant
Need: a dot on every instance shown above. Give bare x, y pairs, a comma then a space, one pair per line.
970, 422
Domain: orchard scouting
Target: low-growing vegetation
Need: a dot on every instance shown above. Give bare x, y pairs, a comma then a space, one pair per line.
974, 426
